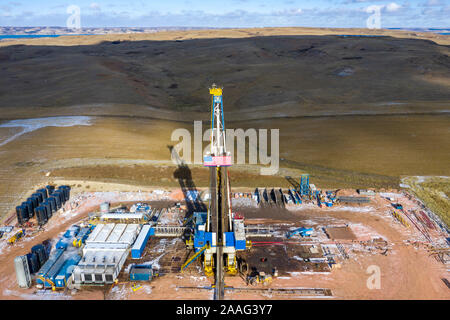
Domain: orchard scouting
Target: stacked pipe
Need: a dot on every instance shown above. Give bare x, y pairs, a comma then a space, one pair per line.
42, 204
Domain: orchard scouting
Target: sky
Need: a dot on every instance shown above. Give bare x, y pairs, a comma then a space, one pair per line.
227, 13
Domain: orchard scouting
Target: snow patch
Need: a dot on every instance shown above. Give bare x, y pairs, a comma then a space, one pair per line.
29, 125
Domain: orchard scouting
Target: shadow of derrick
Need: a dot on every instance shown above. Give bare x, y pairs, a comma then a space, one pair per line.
183, 174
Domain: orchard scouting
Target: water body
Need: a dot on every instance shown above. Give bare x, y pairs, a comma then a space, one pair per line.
27, 36
30, 36
28, 125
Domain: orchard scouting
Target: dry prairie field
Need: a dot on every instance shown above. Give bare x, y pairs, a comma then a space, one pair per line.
352, 111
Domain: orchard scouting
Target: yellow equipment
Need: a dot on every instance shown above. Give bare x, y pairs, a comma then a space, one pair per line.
136, 287
215, 91
260, 278
195, 256
231, 269
208, 268
15, 237
399, 217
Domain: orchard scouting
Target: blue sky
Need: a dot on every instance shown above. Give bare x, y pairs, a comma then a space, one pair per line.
226, 13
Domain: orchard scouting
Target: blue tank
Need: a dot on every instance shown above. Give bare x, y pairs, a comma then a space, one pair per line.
52, 204
39, 196
33, 262
19, 214
41, 215
40, 252
59, 197
43, 191
48, 208
50, 189
25, 214
53, 201
35, 200
30, 208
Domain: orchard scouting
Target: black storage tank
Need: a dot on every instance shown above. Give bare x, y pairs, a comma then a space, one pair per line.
25, 214
52, 201
62, 195
39, 196
30, 210
48, 206
66, 190
32, 202
40, 215
42, 191
50, 189
19, 214
58, 196
35, 200
34, 262
40, 252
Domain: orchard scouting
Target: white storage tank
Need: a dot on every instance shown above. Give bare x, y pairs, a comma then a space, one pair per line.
22, 272
104, 207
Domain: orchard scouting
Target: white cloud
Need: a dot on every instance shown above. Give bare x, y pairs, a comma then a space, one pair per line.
95, 6
432, 3
391, 7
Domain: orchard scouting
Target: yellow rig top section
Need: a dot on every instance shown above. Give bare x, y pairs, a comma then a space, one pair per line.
215, 91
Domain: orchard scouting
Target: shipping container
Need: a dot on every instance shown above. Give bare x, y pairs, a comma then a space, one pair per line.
141, 241
141, 273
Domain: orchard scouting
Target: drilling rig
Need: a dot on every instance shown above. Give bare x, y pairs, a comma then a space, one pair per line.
218, 233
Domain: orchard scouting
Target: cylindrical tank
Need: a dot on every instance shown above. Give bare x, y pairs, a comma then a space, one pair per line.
66, 190
39, 196
48, 208
25, 214
59, 198
40, 252
45, 212
52, 204
50, 189
29, 205
42, 191
62, 191
55, 195
32, 202
34, 263
22, 271
52, 201
104, 207
19, 214
41, 216
35, 200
